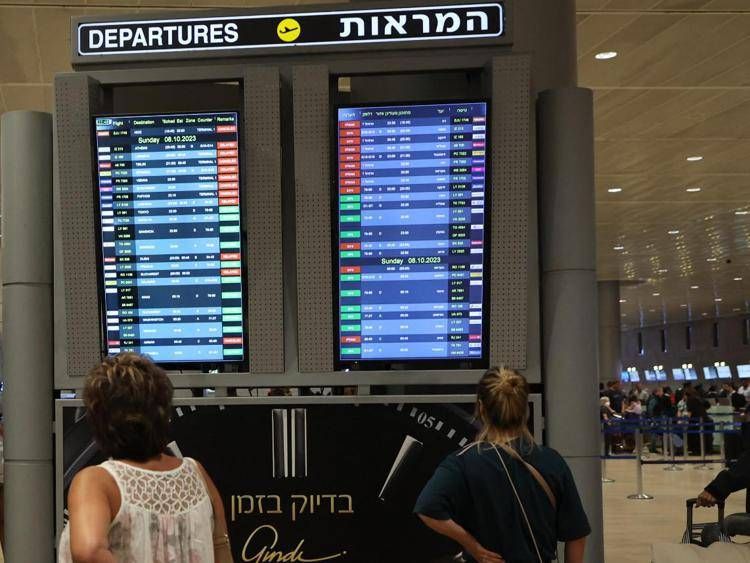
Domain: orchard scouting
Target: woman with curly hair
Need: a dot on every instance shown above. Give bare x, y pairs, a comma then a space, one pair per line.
143, 505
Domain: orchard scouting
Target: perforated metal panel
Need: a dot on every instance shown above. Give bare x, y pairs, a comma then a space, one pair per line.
77, 97
510, 146
313, 213
262, 202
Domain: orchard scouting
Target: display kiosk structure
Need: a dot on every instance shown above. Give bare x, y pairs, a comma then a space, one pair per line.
286, 91
312, 470
285, 73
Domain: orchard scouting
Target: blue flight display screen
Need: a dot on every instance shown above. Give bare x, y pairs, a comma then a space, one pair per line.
411, 232
169, 203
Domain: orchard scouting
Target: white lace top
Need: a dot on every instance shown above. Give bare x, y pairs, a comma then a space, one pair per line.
164, 516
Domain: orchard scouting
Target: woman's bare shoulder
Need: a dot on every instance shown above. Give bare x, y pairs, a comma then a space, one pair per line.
91, 479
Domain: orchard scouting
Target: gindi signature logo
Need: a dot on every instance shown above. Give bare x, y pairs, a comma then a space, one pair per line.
288, 30
260, 547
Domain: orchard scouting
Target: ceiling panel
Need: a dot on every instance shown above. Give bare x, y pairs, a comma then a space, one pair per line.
680, 86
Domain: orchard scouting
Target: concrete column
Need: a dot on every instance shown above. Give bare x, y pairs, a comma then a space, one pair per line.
610, 353
26, 157
569, 293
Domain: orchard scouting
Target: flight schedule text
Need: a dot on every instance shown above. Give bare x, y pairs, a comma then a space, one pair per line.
172, 264
411, 231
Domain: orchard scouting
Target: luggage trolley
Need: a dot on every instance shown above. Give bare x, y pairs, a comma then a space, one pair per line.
692, 530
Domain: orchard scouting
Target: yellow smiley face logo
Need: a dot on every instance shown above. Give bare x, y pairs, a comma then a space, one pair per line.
288, 30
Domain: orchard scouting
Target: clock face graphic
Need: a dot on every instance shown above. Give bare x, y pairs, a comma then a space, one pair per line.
317, 481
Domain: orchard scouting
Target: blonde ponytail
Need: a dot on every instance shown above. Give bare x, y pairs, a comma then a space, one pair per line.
502, 407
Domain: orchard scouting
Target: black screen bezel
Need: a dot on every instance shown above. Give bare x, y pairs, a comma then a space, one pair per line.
241, 365
481, 362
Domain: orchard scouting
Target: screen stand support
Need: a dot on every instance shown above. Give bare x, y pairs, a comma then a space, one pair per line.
26, 163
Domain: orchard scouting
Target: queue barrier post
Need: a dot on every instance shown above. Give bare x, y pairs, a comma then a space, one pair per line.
701, 433
605, 479
639, 495
670, 437
685, 452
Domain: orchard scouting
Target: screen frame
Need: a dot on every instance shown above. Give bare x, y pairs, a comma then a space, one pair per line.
447, 364
206, 367
726, 367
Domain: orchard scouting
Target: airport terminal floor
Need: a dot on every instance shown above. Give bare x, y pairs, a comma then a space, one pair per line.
627, 522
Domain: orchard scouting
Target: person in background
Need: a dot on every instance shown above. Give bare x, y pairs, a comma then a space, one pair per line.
612, 439
681, 399
605, 410
616, 396
730, 391
642, 393
745, 390
669, 397
658, 406
712, 392
633, 408
738, 399
505, 498
697, 410
143, 504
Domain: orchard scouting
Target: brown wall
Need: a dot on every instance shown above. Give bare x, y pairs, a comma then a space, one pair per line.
731, 348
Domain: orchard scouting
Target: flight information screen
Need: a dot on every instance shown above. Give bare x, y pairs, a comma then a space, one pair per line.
171, 247
411, 232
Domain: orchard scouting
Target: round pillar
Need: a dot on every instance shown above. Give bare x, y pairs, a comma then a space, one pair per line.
610, 352
569, 293
26, 157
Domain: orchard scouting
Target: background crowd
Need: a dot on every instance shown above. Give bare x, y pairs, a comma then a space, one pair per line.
688, 403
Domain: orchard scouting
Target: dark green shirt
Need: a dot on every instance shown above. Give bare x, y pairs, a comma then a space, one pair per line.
472, 489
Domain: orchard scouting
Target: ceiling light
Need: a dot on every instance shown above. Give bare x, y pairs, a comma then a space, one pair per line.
673, 232
623, 300
657, 294
694, 158
618, 247
738, 279
694, 287
662, 271
704, 314
614, 190
683, 305
652, 310
741, 212
710, 259
736, 310
693, 190
718, 299
605, 55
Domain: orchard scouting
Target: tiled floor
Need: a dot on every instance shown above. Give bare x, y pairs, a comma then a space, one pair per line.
631, 526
